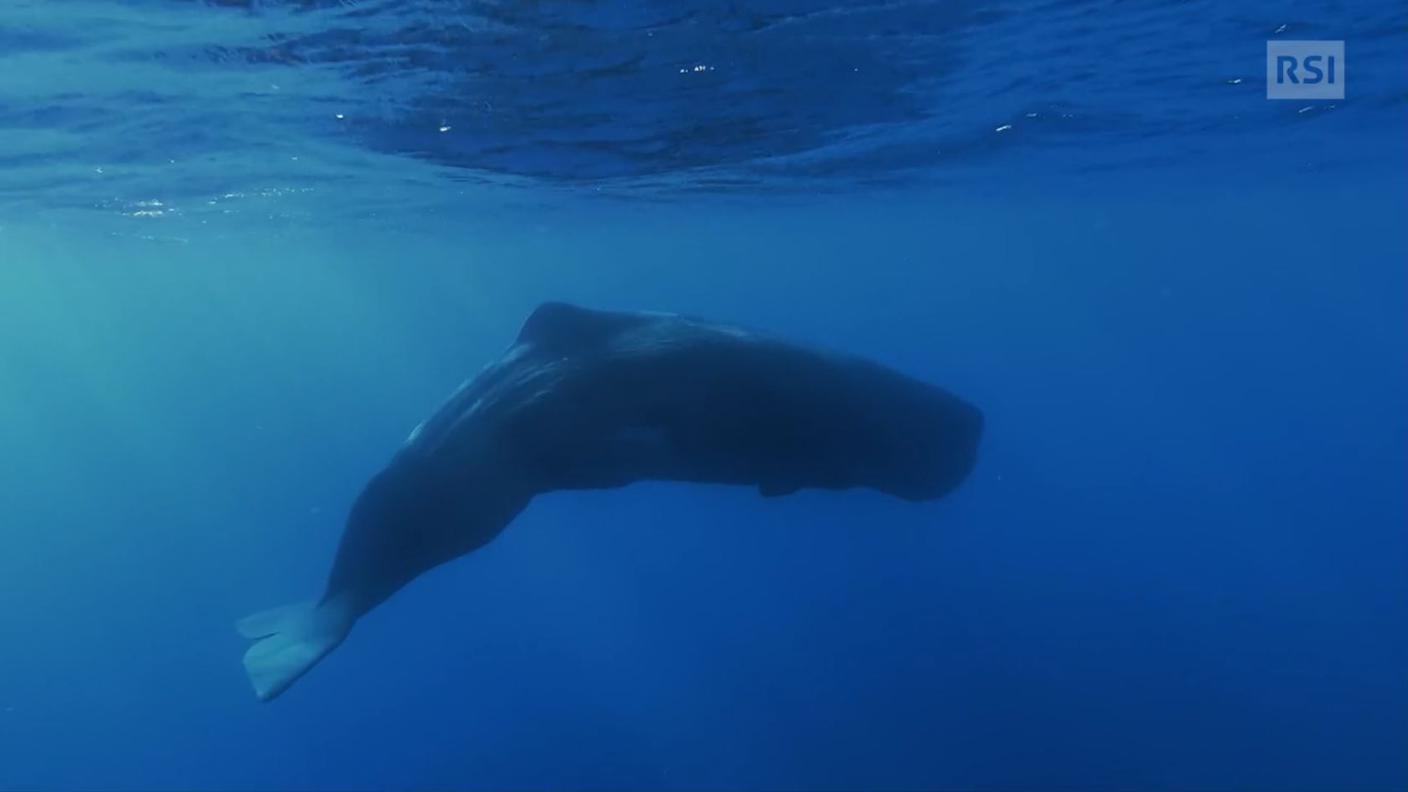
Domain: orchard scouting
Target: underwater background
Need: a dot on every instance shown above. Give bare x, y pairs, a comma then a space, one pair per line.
247, 245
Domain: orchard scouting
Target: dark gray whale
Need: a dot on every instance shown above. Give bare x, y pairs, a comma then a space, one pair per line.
589, 399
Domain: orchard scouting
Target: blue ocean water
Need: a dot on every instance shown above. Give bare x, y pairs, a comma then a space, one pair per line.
247, 245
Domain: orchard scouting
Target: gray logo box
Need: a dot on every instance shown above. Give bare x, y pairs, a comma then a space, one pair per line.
1305, 70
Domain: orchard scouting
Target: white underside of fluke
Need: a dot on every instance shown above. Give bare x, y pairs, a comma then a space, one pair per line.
290, 640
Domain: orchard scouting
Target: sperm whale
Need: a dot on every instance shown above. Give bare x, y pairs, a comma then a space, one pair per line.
588, 399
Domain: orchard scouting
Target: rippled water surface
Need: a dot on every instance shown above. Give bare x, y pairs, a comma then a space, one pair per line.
122, 104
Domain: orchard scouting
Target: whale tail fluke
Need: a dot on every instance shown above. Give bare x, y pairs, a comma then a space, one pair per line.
290, 640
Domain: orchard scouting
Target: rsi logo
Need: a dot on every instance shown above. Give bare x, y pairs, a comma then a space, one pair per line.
1305, 70
1315, 66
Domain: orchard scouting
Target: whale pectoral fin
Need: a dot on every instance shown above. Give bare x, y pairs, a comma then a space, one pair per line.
290, 640
774, 489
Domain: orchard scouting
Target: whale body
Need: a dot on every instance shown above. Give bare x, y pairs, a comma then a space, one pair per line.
588, 399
